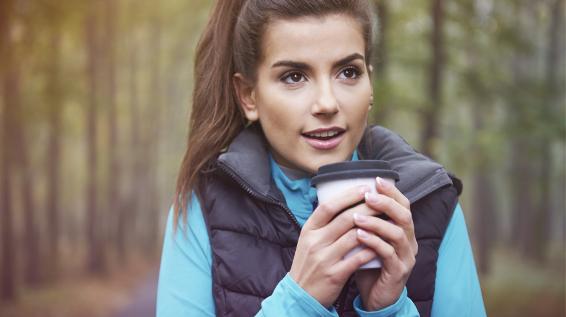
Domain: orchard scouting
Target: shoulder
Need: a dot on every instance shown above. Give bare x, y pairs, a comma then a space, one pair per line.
420, 176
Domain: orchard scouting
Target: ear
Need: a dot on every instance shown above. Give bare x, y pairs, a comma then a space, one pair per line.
246, 96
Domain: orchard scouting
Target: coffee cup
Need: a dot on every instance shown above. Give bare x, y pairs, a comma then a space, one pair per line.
333, 179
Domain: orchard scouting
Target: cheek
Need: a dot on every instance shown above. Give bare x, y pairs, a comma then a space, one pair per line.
281, 109
355, 103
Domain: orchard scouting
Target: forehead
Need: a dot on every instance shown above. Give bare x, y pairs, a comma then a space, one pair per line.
312, 39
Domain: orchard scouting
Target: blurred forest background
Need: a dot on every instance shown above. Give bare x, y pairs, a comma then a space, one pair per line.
94, 102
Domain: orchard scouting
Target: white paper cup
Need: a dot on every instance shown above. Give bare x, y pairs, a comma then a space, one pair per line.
332, 179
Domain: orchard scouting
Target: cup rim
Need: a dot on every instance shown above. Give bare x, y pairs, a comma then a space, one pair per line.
354, 169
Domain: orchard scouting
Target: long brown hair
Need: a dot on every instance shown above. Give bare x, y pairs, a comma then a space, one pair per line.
231, 43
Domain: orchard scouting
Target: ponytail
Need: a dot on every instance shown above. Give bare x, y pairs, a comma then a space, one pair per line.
215, 117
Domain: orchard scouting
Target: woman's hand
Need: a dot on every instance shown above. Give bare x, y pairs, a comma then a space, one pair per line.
394, 242
325, 238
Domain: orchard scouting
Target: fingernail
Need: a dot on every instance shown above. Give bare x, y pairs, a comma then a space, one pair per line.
371, 197
381, 182
360, 218
362, 234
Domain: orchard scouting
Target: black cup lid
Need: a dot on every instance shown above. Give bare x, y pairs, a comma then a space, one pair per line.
354, 169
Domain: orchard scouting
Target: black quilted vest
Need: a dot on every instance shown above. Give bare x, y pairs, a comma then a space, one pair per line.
253, 234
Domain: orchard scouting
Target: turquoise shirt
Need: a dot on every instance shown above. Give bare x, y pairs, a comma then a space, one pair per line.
185, 280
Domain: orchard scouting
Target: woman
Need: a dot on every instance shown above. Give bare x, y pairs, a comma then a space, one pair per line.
282, 88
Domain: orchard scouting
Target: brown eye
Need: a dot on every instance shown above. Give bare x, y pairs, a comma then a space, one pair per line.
350, 73
293, 78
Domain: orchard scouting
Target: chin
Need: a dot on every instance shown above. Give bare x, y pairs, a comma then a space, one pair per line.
313, 168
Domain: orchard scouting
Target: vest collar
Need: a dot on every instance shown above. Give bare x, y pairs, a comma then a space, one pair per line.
248, 158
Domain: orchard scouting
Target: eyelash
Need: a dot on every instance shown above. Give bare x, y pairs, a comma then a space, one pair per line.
288, 75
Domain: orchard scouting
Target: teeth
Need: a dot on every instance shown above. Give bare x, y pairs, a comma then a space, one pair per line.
324, 134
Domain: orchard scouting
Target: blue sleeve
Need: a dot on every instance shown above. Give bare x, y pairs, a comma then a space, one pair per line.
457, 291
289, 299
404, 307
185, 279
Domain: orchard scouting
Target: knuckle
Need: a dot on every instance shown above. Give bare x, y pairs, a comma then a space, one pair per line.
406, 269
405, 201
398, 234
309, 244
406, 218
386, 201
352, 236
345, 219
318, 258
325, 208
333, 278
412, 262
416, 248
388, 252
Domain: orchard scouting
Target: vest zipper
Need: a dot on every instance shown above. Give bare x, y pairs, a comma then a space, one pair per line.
244, 185
339, 303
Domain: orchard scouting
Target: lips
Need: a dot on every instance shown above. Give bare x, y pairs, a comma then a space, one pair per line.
324, 138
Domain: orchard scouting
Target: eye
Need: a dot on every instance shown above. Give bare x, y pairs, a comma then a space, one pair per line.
293, 78
350, 73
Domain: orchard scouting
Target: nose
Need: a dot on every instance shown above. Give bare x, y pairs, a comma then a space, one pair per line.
326, 102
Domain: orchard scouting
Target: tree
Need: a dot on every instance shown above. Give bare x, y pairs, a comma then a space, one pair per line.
431, 115
381, 112
549, 113
96, 262
9, 77
113, 179
53, 157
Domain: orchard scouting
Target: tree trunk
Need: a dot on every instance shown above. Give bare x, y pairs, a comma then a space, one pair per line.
96, 262
433, 111
32, 273
381, 107
113, 179
153, 140
523, 153
131, 211
552, 102
484, 206
7, 78
55, 103
485, 220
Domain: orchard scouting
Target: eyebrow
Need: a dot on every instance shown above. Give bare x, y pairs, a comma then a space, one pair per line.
304, 66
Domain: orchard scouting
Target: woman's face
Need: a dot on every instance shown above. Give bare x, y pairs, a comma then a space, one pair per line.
312, 92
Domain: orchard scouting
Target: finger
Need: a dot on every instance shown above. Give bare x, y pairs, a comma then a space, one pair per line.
346, 267
388, 189
387, 231
344, 222
344, 244
396, 212
385, 251
329, 209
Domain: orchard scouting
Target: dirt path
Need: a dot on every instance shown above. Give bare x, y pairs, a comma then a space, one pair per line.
142, 302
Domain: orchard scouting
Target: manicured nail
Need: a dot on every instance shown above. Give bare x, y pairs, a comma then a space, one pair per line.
362, 234
381, 182
360, 218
